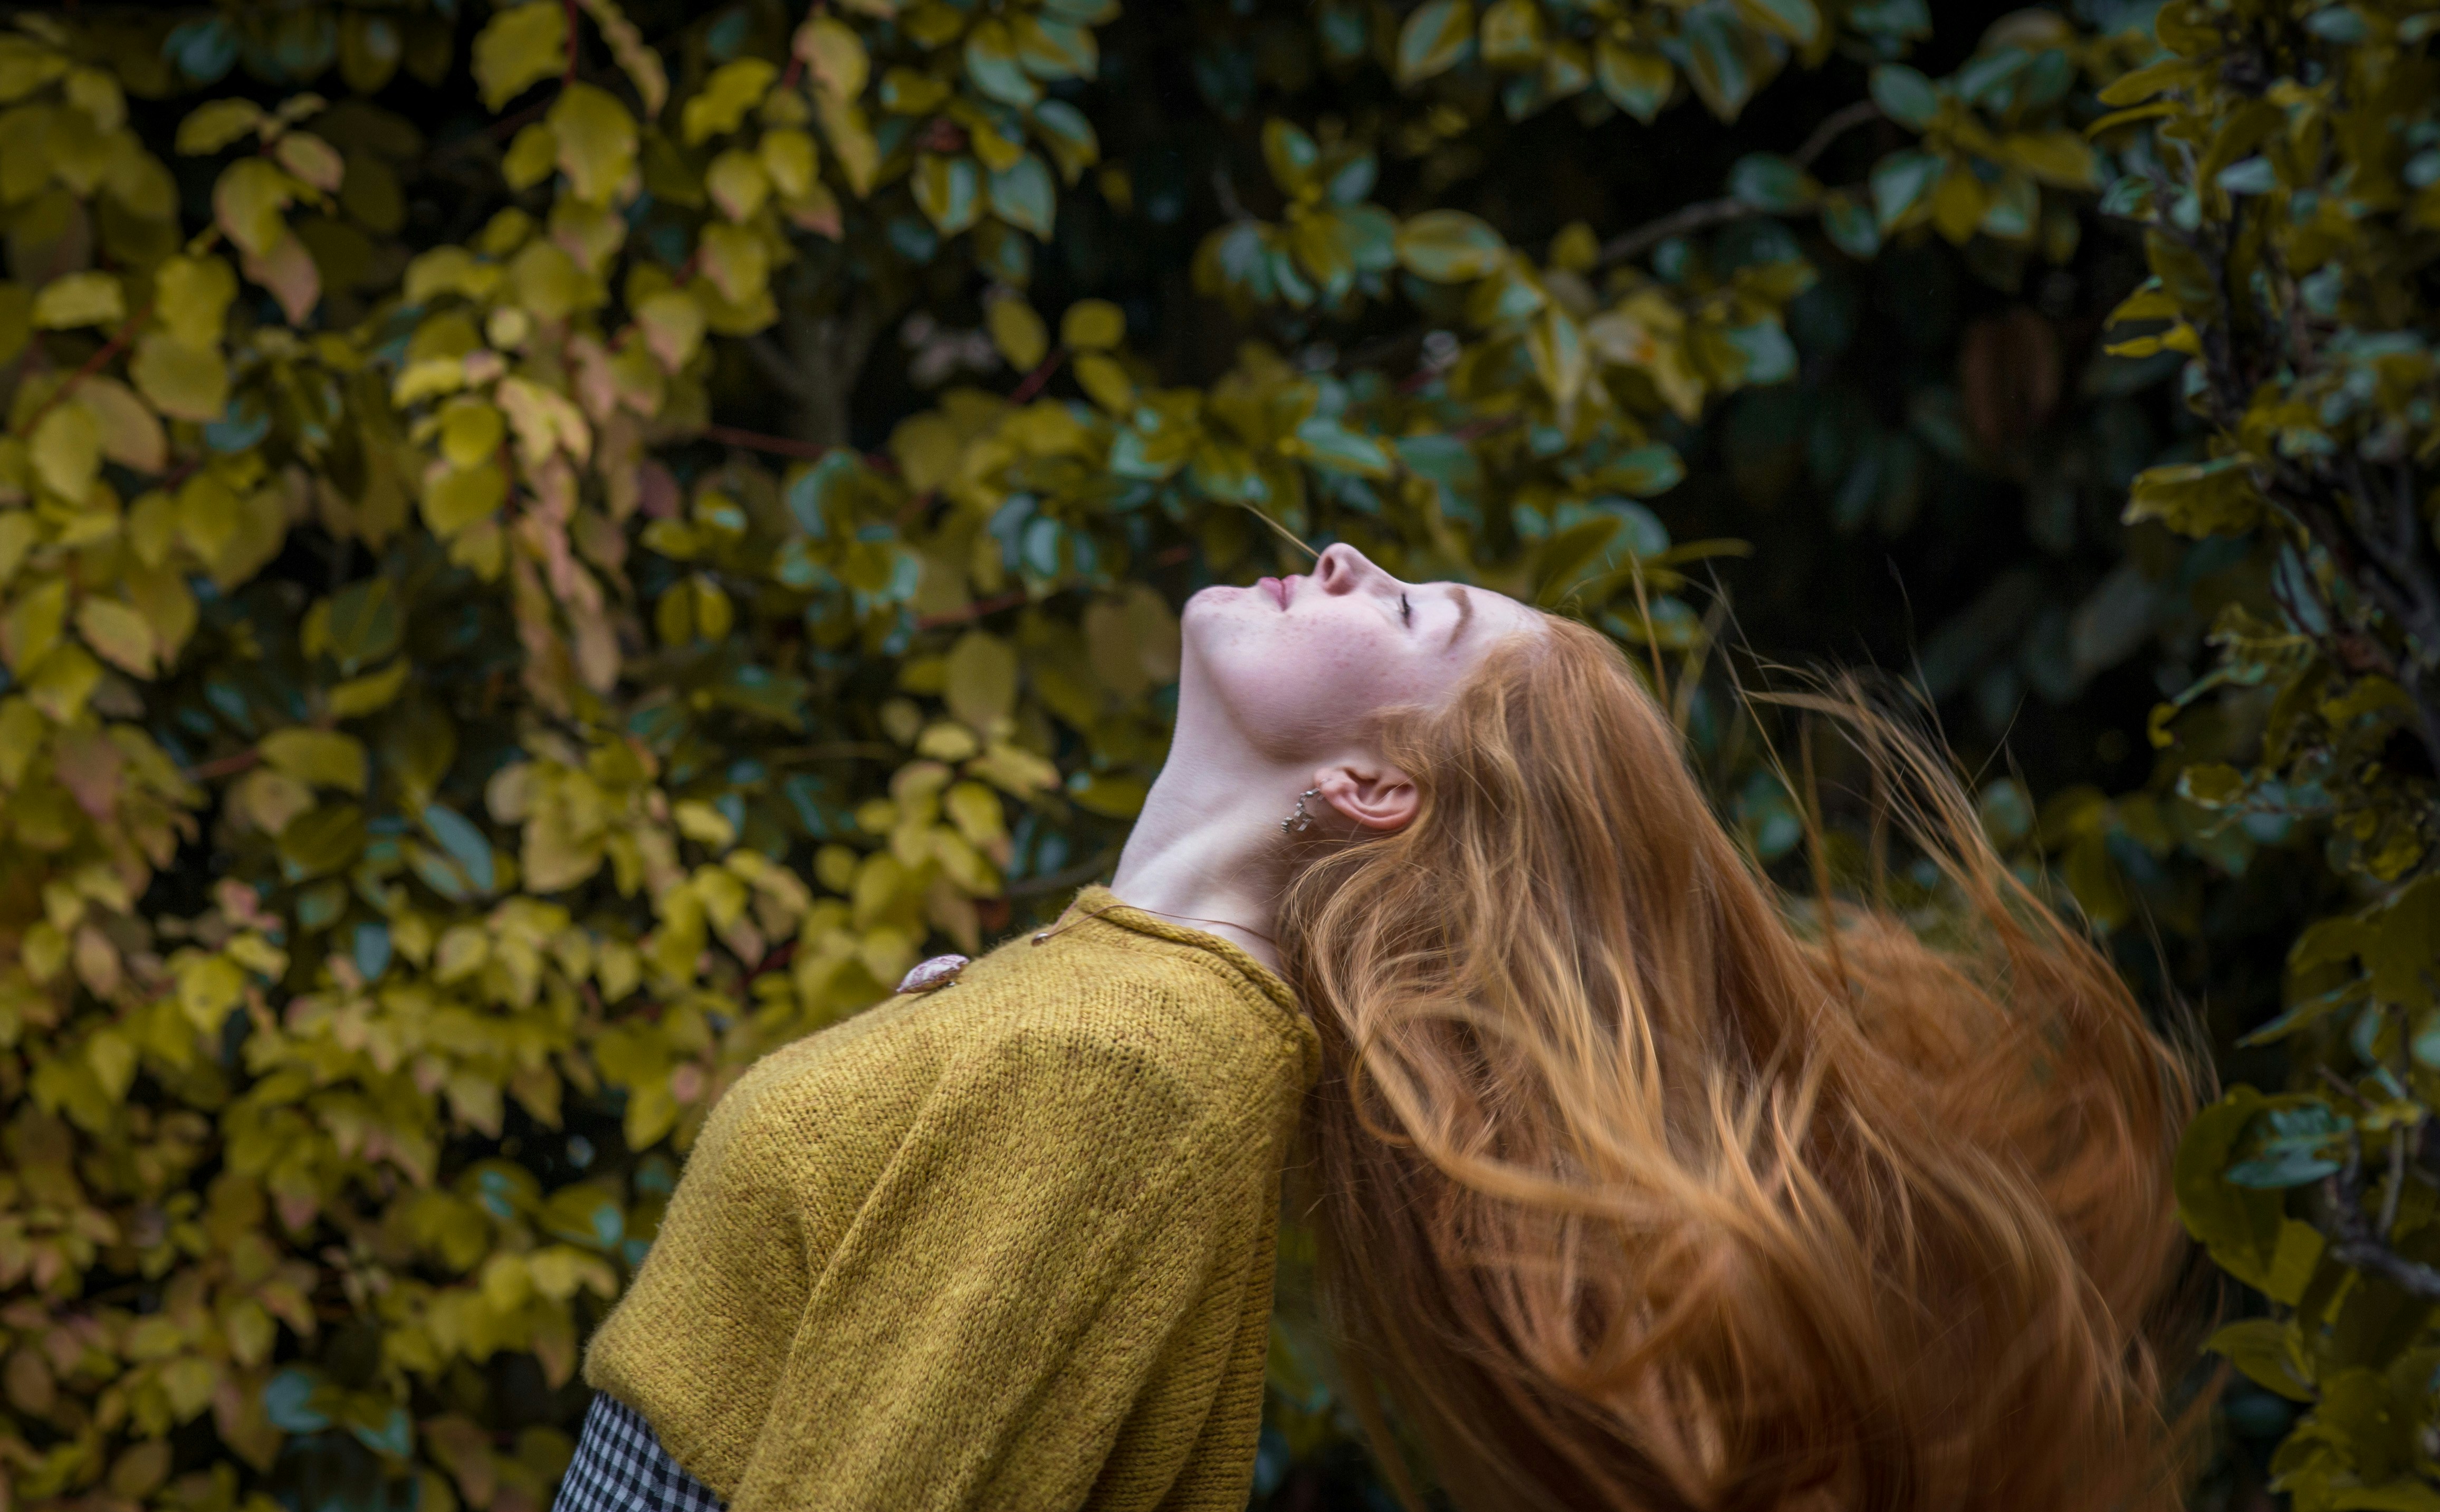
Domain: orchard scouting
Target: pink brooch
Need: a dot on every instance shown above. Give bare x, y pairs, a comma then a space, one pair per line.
941, 971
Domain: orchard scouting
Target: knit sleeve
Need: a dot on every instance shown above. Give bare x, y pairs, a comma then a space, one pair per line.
1055, 1252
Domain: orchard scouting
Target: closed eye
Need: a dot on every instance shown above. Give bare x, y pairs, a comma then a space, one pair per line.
1406, 610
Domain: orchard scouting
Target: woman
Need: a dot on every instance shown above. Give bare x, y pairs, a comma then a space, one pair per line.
1635, 1190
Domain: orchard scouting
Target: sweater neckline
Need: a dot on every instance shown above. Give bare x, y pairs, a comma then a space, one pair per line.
1104, 906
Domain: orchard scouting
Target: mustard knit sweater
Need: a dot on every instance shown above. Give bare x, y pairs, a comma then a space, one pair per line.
1007, 1244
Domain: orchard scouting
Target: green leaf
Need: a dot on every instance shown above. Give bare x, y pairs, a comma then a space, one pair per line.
947, 191
1716, 64
1851, 228
1450, 247
2239, 1226
1436, 35
1330, 445
1064, 130
1637, 80
463, 843
1290, 154
1905, 95
1796, 20
365, 623
993, 66
1769, 182
1022, 195
1900, 181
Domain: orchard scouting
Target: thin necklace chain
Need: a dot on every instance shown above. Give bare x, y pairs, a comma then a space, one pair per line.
1105, 907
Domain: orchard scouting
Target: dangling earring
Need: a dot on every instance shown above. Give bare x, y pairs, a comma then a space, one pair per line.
1299, 820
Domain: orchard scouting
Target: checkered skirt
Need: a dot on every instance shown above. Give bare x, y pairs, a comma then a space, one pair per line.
621, 1467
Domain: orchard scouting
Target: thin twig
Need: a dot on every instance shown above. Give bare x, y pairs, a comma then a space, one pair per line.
1039, 376
754, 440
776, 367
2397, 1177
2355, 1244
94, 363
228, 765
1678, 223
1835, 125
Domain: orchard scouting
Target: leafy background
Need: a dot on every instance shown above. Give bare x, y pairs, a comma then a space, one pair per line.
546, 551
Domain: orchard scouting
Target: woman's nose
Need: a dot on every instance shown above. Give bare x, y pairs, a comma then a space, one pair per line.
1341, 569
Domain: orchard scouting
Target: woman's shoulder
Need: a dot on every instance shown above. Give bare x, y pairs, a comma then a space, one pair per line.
1170, 1011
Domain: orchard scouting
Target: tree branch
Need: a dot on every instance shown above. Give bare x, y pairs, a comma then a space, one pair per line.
1678, 223
2355, 1244
776, 367
1835, 125
1729, 207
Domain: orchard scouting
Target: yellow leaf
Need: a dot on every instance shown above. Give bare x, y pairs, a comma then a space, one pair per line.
544, 421
248, 202
790, 160
1017, 331
851, 142
375, 690
737, 184
471, 431
531, 156
734, 88
184, 382
31, 627
18, 531
191, 297
673, 327
2063, 157
168, 605
313, 161
1105, 383
835, 55
288, 270
550, 283
208, 515
1958, 203
131, 433
982, 679
736, 260
210, 127
66, 449
454, 499
706, 825
519, 46
119, 632
26, 65
1092, 325
642, 64
320, 758
596, 141
90, 298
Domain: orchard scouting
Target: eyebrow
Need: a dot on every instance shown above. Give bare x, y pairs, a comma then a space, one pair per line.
1464, 611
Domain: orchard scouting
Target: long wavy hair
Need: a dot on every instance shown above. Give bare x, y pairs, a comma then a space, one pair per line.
1641, 1184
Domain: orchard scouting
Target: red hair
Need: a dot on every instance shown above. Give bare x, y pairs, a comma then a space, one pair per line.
1638, 1189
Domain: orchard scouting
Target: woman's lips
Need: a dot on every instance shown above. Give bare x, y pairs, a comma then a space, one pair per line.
1276, 588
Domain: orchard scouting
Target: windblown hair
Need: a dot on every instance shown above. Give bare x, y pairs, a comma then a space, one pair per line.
1639, 1186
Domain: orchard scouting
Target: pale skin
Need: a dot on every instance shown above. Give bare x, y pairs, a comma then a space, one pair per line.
1276, 689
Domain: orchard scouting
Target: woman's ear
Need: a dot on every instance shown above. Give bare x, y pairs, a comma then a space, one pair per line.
1373, 794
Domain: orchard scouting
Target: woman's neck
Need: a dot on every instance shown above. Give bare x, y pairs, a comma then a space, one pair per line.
1208, 848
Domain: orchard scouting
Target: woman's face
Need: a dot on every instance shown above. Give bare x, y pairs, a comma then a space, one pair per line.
1300, 664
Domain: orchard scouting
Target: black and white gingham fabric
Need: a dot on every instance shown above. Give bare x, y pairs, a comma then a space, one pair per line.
621, 1467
